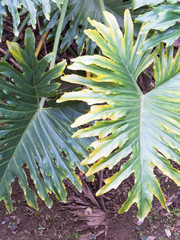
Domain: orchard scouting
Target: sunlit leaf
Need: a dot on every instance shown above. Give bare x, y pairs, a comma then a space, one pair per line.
128, 123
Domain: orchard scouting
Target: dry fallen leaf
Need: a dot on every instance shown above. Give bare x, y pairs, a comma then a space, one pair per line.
178, 223
16, 220
88, 211
168, 232
151, 238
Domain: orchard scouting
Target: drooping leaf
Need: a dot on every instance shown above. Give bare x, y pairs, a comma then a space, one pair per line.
169, 36
146, 127
77, 14
13, 8
164, 19
161, 17
46, 7
31, 6
2, 15
140, 3
31, 135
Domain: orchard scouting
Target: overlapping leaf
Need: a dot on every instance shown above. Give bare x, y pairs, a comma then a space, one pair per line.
37, 137
126, 121
140, 3
80, 10
31, 6
77, 14
165, 20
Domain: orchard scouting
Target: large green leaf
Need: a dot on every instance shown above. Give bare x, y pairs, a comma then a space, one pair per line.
37, 137
168, 36
128, 122
164, 19
140, 3
161, 17
31, 6
77, 14
80, 10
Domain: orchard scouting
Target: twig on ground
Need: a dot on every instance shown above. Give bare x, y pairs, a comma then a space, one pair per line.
100, 186
106, 232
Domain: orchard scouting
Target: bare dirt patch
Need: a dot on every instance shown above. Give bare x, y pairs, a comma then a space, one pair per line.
83, 218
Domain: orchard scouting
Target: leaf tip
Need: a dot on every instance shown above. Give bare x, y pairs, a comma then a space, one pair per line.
99, 192
89, 173
84, 162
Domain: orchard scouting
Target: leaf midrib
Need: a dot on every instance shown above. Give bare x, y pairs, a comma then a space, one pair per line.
140, 142
130, 74
20, 140
30, 122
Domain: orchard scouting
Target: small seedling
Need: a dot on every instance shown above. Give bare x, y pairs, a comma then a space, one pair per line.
41, 231
149, 218
175, 211
75, 236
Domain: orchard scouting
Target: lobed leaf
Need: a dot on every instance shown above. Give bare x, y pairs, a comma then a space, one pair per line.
77, 14
144, 128
168, 36
140, 3
39, 138
164, 20
30, 6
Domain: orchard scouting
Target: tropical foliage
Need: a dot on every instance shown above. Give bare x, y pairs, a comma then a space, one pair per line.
77, 14
164, 19
25, 6
76, 17
38, 137
126, 121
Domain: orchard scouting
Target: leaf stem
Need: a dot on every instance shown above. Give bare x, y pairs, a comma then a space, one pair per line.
58, 32
15, 38
56, 41
102, 8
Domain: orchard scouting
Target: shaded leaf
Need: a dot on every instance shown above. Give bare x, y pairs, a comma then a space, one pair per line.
164, 19
37, 137
169, 36
161, 17
2, 15
140, 3
77, 14
30, 6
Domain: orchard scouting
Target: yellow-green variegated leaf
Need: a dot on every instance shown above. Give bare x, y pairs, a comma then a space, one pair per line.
126, 121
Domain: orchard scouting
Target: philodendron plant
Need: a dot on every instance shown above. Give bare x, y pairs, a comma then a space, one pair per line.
146, 127
19, 7
34, 137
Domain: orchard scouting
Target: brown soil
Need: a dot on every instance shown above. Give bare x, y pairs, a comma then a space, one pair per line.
82, 217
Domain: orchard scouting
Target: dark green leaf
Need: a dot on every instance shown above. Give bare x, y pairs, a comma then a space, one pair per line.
37, 137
